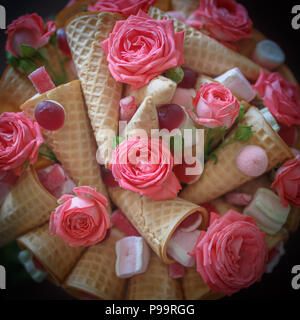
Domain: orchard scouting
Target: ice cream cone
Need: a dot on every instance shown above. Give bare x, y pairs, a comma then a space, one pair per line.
74, 144
55, 255
95, 275
194, 287
160, 88
293, 220
15, 88
145, 118
102, 93
273, 240
251, 186
27, 206
186, 6
224, 176
154, 284
155, 220
212, 58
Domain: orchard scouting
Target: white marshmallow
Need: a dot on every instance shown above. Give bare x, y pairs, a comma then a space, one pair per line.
235, 81
268, 54
180, 244
133, 255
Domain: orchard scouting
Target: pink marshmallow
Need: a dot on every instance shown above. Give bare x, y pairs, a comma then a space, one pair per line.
184, 97
41, 80
235, 81
252, 161
133, 255
128, 108
176, 270
181, 244
238, 199
56, 181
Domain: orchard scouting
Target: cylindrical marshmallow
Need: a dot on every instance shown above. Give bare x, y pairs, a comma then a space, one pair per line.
268, 54
235, 81
270, 119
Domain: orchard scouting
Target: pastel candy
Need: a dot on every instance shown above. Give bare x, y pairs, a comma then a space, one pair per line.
181, 244
133, 255
176, 270
25, 257
268, 211
128, 108
268, 54
184, 97
236, 82
238, 199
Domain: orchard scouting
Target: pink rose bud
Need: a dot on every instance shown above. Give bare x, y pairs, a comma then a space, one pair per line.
151, 176
20, 139
133, 255
41, 80
120, 221
287, 181
81, 219
280, 96
268, 54
29, 30
226, 20
181, 244
232, 253
128, 108
124, 7
162, 49
56, 181
238, 199
215, 106
235, 81
176, 270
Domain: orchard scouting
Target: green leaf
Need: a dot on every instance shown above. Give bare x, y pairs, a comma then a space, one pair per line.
176, 74
84, 9
241, 113
46, 152
117, 141
53, 40
12, 60
27, 65
243, 133
27, 51
44, 53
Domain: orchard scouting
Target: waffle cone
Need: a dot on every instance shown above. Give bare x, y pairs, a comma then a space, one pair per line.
273, 240
154, 284
15, 88
27, 206
156, 221
293, 220
160, 88
194, 287
145, 118
213, 58
55, 255
218, 179
102, 93
74, 144
94, 274
251, 186
186, 6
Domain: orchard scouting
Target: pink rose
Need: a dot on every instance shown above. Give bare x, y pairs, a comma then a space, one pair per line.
232, 253
28, 30
124, 7
287, 182
280, 96
145, 166
227, 20
215, 105
141, 48
81, 220
20, 139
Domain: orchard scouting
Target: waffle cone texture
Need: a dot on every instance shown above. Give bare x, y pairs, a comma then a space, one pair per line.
28, 205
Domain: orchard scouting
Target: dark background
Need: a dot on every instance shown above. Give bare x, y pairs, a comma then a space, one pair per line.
273, 18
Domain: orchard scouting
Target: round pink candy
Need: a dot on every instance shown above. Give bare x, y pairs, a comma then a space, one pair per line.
252, 161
